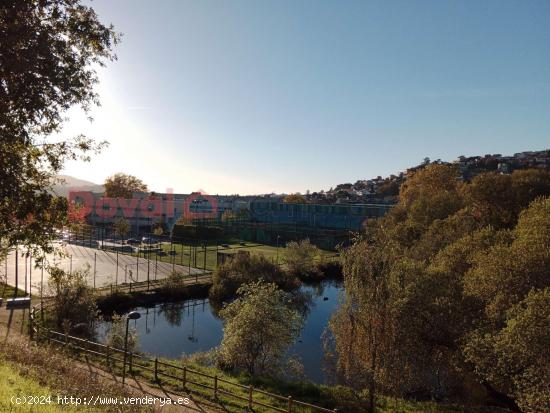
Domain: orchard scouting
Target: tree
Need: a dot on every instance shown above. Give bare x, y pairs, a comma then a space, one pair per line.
48, 54
122, 227
514, 359
73, 302
296, 198
300, 257
363, 326
259, 327
121, 185
437, 290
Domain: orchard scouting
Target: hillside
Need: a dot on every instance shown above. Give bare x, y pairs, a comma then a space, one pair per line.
70, 183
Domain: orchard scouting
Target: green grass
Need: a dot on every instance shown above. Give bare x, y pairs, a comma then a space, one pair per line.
13, 384
184, 251
326, 396
7, 291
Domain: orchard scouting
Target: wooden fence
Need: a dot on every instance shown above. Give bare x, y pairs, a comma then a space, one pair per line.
176, 377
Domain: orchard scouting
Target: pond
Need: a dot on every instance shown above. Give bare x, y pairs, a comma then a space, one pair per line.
186, 327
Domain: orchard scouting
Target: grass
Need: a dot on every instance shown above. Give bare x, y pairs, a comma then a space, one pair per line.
13, 384
200, 384
7, 291
197, 254
27, 369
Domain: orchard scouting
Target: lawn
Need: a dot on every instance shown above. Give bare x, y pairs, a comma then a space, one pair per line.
194, 256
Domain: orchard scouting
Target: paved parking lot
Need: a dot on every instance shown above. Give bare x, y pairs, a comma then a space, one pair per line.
108, 267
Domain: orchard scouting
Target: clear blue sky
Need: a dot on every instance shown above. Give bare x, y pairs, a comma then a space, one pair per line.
259, 96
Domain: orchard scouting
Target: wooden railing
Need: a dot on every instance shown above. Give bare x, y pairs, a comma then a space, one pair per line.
181, 377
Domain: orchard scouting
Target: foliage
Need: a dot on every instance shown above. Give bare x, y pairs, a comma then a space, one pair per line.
159, 228
122, 227
173, 283
296, 198
514, 359
73, 302
259, 327
48, 54
121, 185
43, 370
244, 269
300, 257
436, 289
117, 332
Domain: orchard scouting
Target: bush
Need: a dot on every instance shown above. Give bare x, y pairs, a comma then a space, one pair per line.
117, 331
243, 269
73, 302
300, 257
259, 327
172, 284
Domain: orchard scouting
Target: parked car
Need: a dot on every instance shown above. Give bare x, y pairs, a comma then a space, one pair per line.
146, 240
133, 241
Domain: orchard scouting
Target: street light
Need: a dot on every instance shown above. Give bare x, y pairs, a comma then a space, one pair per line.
133, 315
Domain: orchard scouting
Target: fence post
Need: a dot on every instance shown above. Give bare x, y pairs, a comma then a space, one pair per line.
184, 376
107, 358
216, 387
250, 390
289, 404
156, 369
31, 316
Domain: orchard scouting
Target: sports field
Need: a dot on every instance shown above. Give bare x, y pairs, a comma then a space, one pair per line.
205, 257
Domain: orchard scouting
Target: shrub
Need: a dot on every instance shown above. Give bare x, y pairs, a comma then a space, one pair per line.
259, 327
117, 331
300, 257
73, 302
243, 269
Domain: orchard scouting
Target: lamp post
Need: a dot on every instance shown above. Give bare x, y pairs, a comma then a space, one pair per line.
133, 315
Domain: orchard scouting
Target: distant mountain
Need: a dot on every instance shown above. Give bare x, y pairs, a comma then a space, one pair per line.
74, 184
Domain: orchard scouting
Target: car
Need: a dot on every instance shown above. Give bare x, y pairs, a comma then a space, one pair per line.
133, 241
146, 240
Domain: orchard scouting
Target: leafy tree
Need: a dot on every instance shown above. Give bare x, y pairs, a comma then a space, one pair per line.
363, 326
515, 358
430, 290
259, 327
122, 227
48, 52
121, 185
296, 198
117, 333
300, 257
73, 301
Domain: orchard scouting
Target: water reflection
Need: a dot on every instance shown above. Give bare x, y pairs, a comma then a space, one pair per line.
190, 326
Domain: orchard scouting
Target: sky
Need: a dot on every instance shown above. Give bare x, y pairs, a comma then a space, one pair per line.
283, 96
